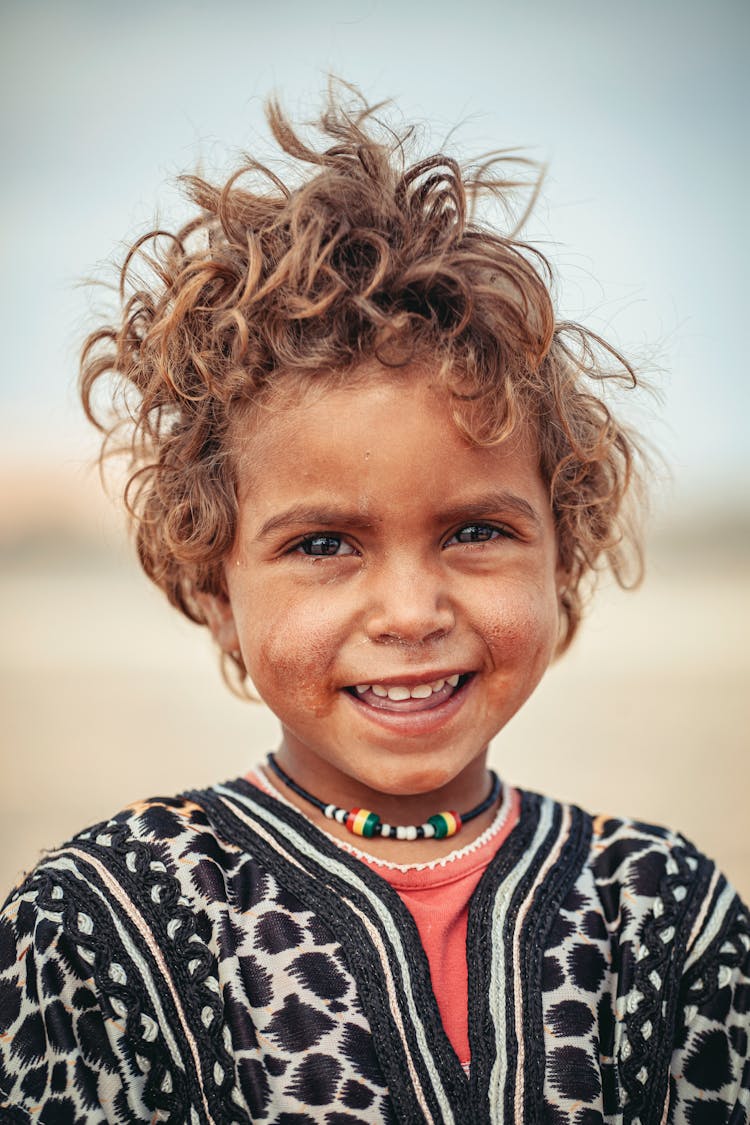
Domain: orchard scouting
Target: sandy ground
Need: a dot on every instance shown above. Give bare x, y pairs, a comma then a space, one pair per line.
106, 696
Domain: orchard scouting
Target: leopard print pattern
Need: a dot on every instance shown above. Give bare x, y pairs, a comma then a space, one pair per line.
606, 964
578, 1015
291, 1038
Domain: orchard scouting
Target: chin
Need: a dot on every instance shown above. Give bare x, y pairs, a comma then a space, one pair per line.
413, 780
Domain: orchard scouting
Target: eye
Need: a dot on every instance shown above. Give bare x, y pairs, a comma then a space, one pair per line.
478, 533
324, 546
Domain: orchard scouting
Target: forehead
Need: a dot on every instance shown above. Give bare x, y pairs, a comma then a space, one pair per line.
392, 436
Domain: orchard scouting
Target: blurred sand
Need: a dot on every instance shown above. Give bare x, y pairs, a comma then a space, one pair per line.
107, 695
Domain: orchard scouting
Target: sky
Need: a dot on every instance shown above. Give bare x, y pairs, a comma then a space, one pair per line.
639, 111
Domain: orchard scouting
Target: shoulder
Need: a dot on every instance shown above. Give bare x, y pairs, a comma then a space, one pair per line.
107, 962
147, 840
664, 905
638, 868
671, 908
645, 870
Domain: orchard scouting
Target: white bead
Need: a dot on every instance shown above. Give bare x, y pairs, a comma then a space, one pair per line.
385, 830
411, 832
340, 815
429, 830
401, 832
329, 810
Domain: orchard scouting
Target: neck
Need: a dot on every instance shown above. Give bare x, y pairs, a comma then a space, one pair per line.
410, 814
400, 795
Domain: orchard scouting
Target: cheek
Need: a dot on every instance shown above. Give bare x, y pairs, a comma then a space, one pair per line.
522, 628
289, 652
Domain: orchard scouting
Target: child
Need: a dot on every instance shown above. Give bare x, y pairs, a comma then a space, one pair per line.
368, 458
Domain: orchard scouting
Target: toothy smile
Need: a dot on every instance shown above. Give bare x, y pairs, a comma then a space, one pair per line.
399, 692
424, 696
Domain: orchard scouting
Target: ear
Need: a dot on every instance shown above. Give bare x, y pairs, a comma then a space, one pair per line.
217, 610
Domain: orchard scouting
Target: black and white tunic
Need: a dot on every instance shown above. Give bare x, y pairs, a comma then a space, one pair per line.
215, 958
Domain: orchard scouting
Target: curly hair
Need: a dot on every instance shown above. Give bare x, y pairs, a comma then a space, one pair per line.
364, 257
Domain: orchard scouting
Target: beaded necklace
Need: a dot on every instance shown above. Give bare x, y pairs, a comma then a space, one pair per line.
364, 822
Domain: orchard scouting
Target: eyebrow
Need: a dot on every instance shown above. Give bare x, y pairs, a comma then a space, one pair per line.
492, 504
484, 506
313, 516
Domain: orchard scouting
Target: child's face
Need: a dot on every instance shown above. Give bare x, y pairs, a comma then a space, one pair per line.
376, 548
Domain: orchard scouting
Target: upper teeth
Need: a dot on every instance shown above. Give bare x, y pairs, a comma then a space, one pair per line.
400, 691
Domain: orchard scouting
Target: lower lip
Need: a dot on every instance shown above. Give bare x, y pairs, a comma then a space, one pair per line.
414, 722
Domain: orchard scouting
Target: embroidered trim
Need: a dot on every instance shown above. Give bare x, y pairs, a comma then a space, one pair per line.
704, 980
145, 879
648, 1017
56, 893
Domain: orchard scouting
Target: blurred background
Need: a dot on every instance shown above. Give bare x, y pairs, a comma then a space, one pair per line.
640, 111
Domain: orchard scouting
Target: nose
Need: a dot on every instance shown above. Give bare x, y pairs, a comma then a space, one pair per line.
408, 603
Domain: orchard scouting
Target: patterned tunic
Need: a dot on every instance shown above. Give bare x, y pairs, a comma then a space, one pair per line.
215, 958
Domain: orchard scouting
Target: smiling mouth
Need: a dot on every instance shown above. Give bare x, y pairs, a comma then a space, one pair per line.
402, 698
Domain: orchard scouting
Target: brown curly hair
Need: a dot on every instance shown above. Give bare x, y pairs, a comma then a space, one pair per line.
366, 257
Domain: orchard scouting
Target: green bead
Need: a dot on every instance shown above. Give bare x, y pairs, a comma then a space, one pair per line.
440, 825
368, 828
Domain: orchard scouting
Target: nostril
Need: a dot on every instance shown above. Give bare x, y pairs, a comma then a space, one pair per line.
408, 607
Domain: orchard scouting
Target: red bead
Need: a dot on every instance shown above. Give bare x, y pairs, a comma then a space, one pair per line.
351, 816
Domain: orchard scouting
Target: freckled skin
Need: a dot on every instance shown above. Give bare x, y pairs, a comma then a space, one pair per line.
402, 595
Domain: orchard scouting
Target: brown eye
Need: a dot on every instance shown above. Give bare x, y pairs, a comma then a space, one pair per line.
476, 533
324, 546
